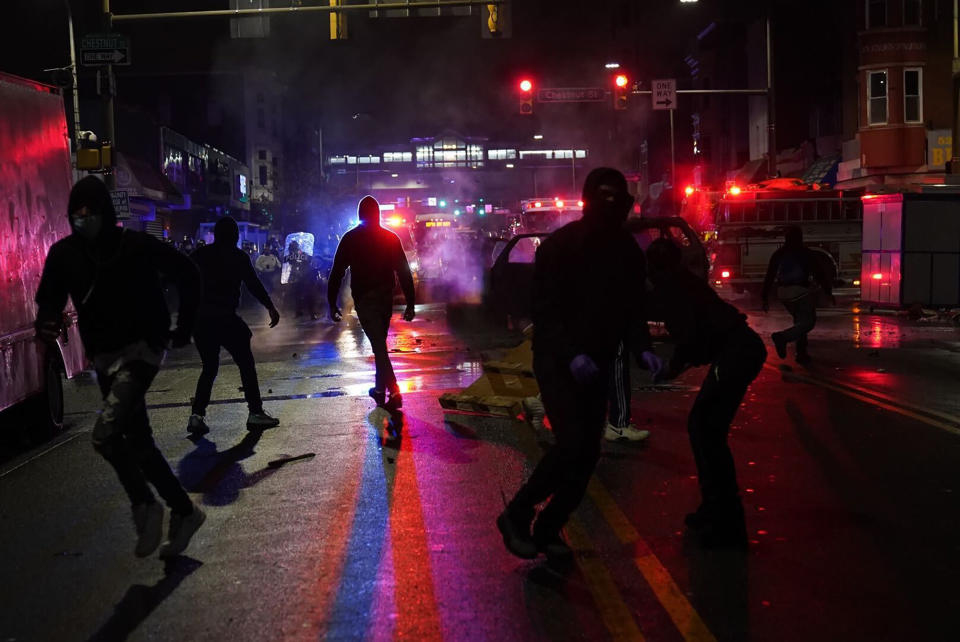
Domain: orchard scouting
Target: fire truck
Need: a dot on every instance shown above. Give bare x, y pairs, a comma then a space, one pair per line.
35, 181
540, 215
751, 222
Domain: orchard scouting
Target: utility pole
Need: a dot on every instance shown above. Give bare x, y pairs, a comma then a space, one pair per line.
954, 166
74, 76
771, 104
109, 116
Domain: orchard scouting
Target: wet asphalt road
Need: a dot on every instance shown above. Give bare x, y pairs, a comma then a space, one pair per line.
849, 470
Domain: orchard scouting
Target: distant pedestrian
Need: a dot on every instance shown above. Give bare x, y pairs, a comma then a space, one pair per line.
796, 271
268, 268
223, 267
302, 280
708, 331
376, 260
112, 276
588, 297
620, 426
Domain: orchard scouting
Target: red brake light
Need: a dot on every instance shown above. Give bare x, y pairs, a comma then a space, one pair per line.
559, 203
734, 190
689, 190
579, 203
538, 204
725, 274
877, 276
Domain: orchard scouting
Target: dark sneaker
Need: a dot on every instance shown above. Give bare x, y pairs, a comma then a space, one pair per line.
148, 519
396, 401
261, 421
553, 545
516, 535
719, 527
379, 396
182, 528
196, 426
697, 519
780, 345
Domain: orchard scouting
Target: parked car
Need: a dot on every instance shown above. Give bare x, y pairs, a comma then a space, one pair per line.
509, 283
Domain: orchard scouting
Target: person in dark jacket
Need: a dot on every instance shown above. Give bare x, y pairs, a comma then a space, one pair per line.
376, 260
588, 296
113, 276
794, 269
223, 267
708, 331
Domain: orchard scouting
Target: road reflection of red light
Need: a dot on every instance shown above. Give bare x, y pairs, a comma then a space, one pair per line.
875, 332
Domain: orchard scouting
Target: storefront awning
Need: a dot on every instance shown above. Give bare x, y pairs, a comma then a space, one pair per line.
140, 179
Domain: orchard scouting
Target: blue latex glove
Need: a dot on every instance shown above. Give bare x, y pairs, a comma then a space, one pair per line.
584, 370
653, 363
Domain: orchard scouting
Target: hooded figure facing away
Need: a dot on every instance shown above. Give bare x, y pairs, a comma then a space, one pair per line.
223, 267
792, 267
588, 296
112, 275
707, 330
376, 260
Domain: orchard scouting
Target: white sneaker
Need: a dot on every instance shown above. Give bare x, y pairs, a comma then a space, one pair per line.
148, 520
182, 528
628, 433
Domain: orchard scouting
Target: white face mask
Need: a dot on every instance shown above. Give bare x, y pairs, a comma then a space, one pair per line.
88, 227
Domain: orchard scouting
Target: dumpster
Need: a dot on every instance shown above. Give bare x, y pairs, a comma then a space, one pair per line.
911, 249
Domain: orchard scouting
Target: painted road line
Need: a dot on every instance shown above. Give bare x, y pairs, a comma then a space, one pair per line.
614, 612
40, 454
893, 405
684, 616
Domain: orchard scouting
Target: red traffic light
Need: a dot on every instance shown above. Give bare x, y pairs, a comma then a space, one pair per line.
526, 85
620, 80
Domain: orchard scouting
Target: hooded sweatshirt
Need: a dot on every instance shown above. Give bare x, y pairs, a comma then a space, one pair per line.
114, 280
375, 258
589, 281
223, 267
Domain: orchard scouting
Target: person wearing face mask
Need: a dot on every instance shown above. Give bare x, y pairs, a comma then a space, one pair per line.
113, 275
376, 261
588, 296
706, 330
223, 267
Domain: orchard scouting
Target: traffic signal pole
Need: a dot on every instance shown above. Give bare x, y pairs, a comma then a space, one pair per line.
109, 116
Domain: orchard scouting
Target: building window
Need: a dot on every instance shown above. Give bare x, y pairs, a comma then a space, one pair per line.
912, 13
501, 154
877, 98
262, 154
263, 174
912, 95
876, 13
397, 157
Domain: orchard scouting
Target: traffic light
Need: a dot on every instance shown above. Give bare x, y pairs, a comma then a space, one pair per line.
620, 91
526, 97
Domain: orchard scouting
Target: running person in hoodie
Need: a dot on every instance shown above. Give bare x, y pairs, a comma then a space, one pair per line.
794, 269
588, 297
112, 275
223, 267
376, 260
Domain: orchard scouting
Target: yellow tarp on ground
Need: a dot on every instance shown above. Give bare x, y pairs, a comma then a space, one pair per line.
504, 384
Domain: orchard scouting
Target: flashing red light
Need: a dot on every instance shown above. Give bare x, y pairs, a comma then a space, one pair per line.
689, 190
395, 221
725, 274
876, 276
526, 85
734, 190
620, 80
538, 204
559, 203
579, 203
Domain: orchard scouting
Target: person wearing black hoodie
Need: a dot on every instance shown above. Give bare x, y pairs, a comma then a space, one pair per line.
112, 274
792, 267
223, 267
706, 330
376, 260
588, 296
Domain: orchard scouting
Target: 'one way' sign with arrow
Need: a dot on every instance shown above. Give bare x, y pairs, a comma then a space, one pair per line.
104, 49
664, 94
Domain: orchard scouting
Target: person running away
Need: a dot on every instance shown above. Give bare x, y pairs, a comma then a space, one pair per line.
223, 267
112, 275
376, 260
796, 270
588, 296
706, 330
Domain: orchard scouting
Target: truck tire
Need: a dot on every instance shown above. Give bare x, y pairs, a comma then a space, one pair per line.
48, 406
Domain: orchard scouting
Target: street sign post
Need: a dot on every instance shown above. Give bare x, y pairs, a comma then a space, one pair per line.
571, 95
665, 94
104, 49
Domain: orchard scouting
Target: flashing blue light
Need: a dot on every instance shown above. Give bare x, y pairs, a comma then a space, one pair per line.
443, 203
456, 212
